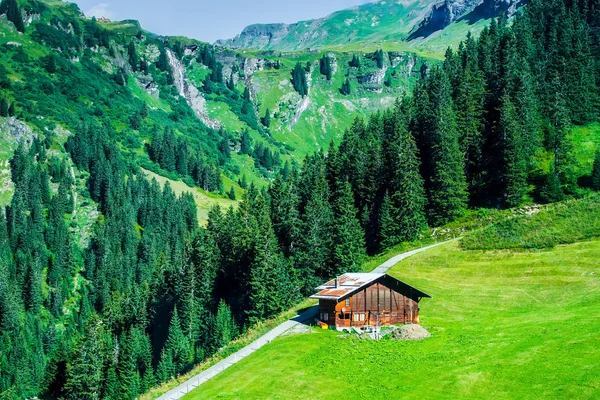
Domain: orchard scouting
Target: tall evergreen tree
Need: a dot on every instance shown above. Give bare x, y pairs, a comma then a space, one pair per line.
13, 13
515, 162
403, 213
447, 190
348, 236
178, 346
299, 80
134, 60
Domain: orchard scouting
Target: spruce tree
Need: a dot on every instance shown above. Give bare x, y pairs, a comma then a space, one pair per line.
552, 190
403, 216
3, 107
266, 120
346, 89
348, 236
448, 194
299, 80
13, 14
133, 57
515, 162
388, 81
355, 62
224, 330
270, 284
232, 193
245, 143
163, 60
379, 58
84, 375
178, 346
325, 66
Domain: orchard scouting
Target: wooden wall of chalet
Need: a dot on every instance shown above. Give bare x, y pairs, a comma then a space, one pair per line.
374, 305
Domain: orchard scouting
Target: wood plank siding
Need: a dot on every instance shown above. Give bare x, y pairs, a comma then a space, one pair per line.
381, 301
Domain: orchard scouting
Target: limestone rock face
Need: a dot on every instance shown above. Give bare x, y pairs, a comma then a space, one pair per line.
16, 130
445, 12
147, 83
258, 35
188, 91
373, 78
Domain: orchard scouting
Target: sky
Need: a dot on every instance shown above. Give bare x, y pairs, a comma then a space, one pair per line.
209, 20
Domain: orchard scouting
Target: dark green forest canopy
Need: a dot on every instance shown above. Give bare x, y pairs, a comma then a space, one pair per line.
152, 293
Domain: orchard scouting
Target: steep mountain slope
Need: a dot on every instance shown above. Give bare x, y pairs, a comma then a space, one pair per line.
389, 21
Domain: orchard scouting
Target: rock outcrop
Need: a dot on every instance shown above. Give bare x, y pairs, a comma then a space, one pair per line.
373, 78
188, 91
16, 131
443, 13
258, 35
147, 83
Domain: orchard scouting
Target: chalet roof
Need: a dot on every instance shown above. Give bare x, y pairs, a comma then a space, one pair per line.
348, 284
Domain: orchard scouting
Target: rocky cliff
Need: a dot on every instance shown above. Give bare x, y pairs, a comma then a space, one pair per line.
445, 12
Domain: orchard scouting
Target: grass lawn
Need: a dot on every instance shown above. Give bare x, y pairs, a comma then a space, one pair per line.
505, 325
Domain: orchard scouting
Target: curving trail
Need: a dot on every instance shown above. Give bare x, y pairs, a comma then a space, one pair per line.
304, 317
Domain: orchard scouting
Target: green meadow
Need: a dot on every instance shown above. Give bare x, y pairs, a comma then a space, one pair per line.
516, 324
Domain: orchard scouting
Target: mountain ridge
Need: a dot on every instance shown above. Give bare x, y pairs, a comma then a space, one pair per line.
379, 21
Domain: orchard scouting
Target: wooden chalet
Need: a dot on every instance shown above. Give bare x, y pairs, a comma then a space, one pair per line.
368, 300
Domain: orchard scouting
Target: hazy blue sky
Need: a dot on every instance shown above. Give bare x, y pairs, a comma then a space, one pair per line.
210, 20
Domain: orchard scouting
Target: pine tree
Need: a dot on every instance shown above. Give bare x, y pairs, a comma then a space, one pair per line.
348, 236
133, 57
85, 373
346, 89
355, 62
163, 60
379, 58
13, 14
552, 190
232, 193
246, 143
144, 111
403, 212
266, 120
178, 346
515, 162
3, 108
596, 172
11, 110
388, 80
448, 194
325, 66
299, 80
224, 330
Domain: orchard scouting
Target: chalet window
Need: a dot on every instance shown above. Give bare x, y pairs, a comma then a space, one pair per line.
348, 302
324, 316
344, 316
359, 317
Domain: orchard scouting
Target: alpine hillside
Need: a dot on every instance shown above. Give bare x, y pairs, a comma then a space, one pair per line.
163, 197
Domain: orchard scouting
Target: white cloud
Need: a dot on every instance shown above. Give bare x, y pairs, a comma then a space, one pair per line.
100, 10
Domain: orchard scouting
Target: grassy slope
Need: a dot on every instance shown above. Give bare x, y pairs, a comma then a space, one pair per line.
505, 325
204, 201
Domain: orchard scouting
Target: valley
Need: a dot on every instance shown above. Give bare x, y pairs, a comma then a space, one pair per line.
165, 201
